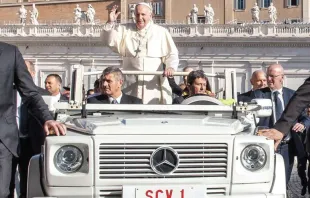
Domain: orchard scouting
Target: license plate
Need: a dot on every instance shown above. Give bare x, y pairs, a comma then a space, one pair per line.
168, 192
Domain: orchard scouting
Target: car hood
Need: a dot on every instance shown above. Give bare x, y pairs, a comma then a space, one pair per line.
156, 124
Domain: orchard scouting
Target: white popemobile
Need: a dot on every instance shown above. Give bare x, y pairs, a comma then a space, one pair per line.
158, 151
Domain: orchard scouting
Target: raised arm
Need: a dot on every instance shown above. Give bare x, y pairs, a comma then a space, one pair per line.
112, 34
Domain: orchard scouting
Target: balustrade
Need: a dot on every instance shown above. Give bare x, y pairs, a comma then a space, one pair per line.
176, 30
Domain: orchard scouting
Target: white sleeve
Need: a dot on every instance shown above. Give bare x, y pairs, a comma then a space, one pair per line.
112, 36
172, 57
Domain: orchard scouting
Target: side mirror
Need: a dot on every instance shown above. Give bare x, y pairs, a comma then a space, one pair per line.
265, 109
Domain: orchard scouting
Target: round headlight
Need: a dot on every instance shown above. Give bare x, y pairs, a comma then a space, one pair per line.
68, 159
253, 157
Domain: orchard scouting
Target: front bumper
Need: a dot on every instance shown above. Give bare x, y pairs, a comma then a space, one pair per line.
89, 192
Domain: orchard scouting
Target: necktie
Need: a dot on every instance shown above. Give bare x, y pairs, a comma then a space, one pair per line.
114, 101
278, 105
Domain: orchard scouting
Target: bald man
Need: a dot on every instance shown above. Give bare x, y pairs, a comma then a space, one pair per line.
280, 97
258, 81
144, 46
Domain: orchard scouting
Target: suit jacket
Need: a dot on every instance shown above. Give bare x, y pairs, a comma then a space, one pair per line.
63, 98
176, 89
298, 143
14, 71
104, 99
31, 127
27, 119
179, 100
266, 93
246, 97
294, 108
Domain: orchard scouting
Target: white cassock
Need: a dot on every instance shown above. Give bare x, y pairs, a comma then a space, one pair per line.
144, 50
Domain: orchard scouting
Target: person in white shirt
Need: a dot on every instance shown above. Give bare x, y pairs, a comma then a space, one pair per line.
280, 97
258, 81
144, 46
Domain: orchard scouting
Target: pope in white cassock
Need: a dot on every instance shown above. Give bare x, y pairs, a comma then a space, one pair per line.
144, 46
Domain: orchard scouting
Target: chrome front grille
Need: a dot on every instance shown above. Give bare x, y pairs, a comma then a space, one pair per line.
216, 191
132, 160
111, 192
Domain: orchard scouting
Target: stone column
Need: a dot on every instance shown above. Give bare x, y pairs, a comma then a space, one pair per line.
124, 8
168, 13
228, 11
91, 79
208, 67
306, 11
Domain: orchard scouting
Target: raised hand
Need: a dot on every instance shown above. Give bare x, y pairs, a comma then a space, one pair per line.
113, 14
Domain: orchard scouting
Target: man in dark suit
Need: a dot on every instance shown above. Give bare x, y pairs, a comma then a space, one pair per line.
298, 148
96, 89
14, 71
280, 97
111, 82
294, 108
31, 139
258, 81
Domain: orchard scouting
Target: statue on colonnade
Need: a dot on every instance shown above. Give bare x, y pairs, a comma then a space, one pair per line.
77, 14
194, 14
209, 14
90, 13
255, 13
272, 10
22, 12
34, 15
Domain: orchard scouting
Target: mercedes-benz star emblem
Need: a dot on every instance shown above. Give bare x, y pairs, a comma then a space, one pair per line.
164, 160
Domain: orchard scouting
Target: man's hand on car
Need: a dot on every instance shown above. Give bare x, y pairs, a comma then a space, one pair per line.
272, 134
52, 127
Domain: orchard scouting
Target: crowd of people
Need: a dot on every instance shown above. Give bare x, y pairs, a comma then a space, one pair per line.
144, 46
270, 85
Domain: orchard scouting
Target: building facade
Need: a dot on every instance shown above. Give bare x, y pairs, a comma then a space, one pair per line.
213, 48
56, 44
168, 11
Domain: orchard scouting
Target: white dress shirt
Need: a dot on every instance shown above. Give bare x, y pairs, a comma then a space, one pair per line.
118, 99
18, 105
55, 99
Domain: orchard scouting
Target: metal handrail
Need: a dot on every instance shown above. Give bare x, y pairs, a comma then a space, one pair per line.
153, 73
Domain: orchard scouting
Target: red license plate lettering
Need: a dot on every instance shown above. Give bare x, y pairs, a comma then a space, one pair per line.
164, 193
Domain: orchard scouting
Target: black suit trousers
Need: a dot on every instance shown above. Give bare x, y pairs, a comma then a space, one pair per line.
22, 162
5, 170
283, 150
296, 148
